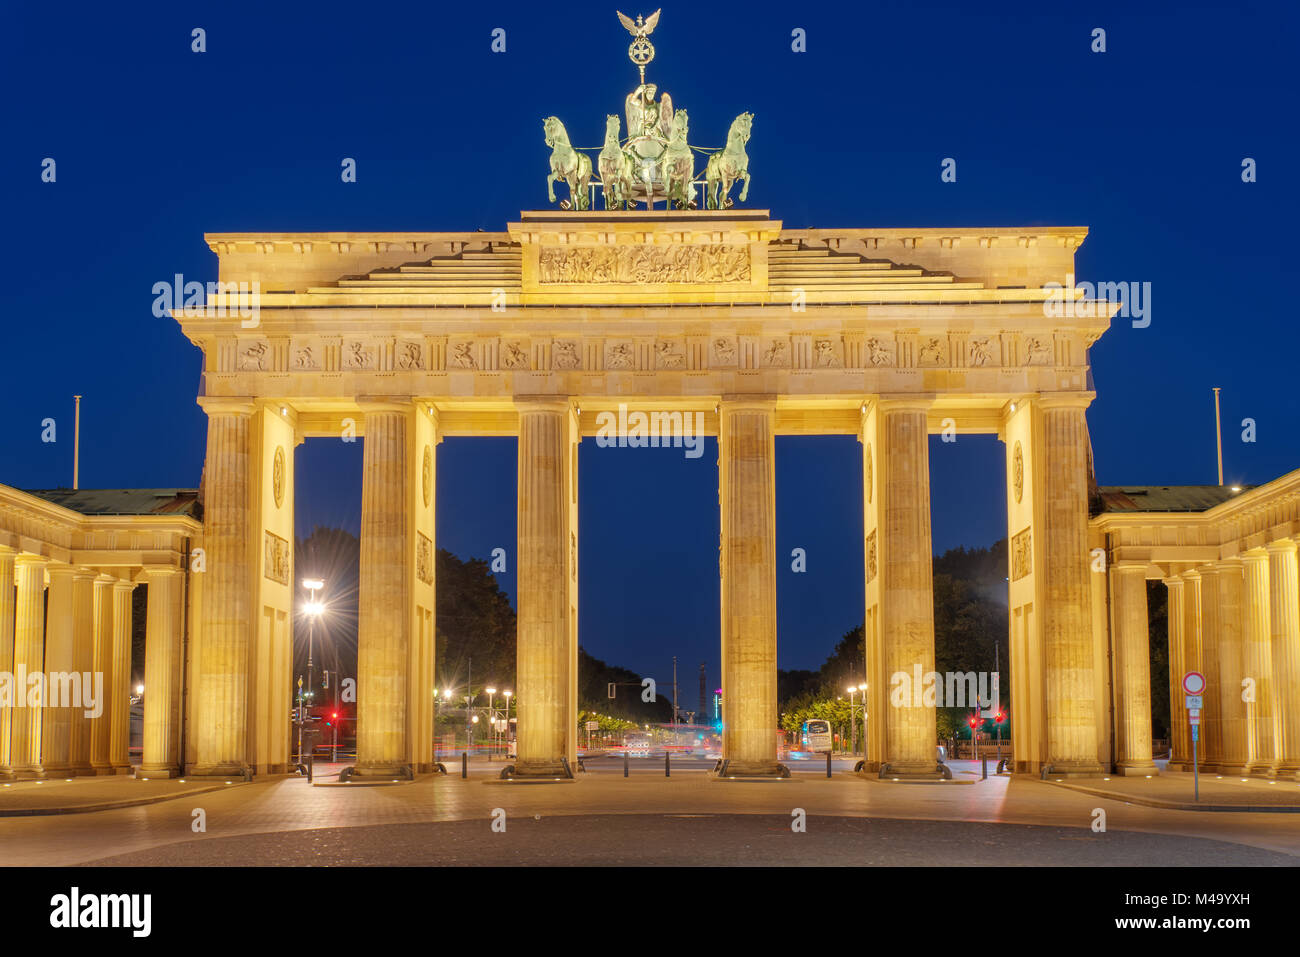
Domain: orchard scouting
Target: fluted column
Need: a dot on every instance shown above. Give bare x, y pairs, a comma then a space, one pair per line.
29, 659
747, 498
226, 631
6, 648
60, 653
543, 670
384, 606
1180, 739
1067, 616
1211, 755
119, 693
1257, 663
83, 658
1236, 751
162, 653
907, 590
1132, 670
1284, 622
1191, 661
102, 667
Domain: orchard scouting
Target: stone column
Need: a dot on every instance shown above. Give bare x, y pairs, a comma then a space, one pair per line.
162, 654
747, 498
1257, 663
226, 633
102, 668
1284, 623
1180, 739
906, 584
1132, 649
1211, 755
62, 693
1191, 661
1067, 615
83, 658
119, 693
29, 659
1236, 749
6, 648
384, 606
543, 625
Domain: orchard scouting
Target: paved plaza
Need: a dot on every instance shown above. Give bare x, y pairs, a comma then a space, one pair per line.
646, 818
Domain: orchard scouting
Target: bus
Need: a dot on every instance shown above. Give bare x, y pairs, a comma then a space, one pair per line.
816, 736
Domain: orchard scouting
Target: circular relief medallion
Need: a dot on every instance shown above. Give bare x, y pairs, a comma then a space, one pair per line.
1018, 471
277, 476
426, 476
868, 470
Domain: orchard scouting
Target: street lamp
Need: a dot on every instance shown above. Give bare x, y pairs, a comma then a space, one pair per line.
492, 722
313, 610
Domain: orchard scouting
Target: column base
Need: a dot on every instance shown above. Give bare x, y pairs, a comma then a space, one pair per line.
1229, 770
400, 772
932, 771
26, 774
1136, 770
733, 768
1288, 770
558, 768
1051, 770
241, 771
81, 770
1262, 770
168, 771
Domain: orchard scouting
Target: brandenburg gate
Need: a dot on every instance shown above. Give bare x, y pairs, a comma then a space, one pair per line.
400, 339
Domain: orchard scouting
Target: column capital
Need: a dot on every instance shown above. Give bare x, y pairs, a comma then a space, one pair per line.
1130, 565
280, 407
1174, 581
27, 559
1191, 574
121, 584
1282, 546
385, 403
1232, 564
227, 405
904, 403
1064, 400
159, 570
543, 403
61, 569
1251, 555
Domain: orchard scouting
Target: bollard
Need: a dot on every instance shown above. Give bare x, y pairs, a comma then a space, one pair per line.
464, 764
984, 767
668, 769
311, 764
828, 764
624, 763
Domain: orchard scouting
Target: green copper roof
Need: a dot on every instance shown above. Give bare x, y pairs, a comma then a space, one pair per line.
1165, 498
124, 501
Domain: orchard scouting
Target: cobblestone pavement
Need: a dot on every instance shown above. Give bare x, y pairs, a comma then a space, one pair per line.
290, 804
703, 840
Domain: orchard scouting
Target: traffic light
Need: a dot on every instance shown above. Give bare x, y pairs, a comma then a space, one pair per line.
1000, 716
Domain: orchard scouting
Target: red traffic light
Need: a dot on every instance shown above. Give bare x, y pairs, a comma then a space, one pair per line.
1000, 718
974, 722
335, 716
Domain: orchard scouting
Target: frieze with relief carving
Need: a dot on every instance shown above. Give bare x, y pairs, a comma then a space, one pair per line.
642, 264
277, 558
1022, 555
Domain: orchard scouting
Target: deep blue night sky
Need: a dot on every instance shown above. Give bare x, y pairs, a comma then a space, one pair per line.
1143, 144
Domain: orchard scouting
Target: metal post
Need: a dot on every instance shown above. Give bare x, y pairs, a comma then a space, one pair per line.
76, 448
668, 769
1218, 432
625, 761
828, 764
311, 764
464, 764
1196, 771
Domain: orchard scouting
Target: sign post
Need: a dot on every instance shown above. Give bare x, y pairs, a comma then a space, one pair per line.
1193, 685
